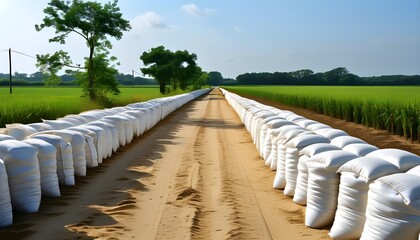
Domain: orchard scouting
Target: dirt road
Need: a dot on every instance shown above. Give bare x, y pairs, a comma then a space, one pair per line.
196, 175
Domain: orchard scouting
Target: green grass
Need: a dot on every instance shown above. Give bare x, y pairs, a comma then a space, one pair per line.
31, 104
395, 109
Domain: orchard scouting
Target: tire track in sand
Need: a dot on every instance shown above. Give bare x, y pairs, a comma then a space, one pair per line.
210, 191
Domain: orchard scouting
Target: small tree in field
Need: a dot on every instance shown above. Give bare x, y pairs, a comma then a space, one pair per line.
52, 80
91, 21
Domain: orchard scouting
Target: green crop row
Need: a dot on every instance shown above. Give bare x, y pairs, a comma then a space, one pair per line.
396, 110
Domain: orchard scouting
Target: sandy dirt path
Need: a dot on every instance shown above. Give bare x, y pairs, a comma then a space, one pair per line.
196, 175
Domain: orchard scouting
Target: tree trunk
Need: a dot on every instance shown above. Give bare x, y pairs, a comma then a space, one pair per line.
91, 89
162, 86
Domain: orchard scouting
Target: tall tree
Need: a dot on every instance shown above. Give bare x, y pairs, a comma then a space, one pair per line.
104, 73
91, 21
167, 67
215, 78
185, 68
159, 62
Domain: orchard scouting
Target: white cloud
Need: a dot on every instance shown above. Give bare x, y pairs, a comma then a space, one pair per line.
148, 20
237, 29
194, 10
191, 9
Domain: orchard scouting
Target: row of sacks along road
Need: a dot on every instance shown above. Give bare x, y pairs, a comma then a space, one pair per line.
35, 159
358, 190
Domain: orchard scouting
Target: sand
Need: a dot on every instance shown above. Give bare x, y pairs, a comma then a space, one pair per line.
195, 175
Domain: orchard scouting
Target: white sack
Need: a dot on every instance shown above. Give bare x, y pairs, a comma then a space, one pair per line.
6, 214
134, 122
100, 144
290, 133
40, 126
292, 158
65, 169
295, 118
300, 194
360, 149
265, 127
306, 122
302, 176
6, 137
305, 140
342, 141
19, 131
317, 126
119, 124
323, 184
23, 174
139, 120
356, 175
132, 127
74, 120
272, 125
77, 141
415, 170
58, 124
47, 167
111, 133
91, 116
280, 178
402, 159
333, 133
90, 145
393, 209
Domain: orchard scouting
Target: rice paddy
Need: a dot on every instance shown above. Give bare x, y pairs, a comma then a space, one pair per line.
395, 109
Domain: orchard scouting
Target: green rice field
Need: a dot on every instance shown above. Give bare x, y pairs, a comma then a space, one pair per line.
394, 108
31, 104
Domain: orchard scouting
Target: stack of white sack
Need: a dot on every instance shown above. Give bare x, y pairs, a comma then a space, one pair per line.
338, 180
356, 175
272, 126
64, 157
36, 158
286, 133
78, 146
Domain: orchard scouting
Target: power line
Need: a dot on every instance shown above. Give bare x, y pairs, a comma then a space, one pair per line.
24, 54
137, 73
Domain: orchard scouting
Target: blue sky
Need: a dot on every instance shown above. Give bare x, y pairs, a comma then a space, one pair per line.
369, 37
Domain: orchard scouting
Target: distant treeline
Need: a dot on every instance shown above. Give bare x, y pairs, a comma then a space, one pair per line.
337, 76
37, 79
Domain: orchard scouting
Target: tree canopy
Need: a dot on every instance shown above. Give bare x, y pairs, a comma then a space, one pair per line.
214, 78
178, 69
93, 22
337, 76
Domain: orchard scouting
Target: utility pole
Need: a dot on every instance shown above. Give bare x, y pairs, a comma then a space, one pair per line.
132, 71
10, 69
